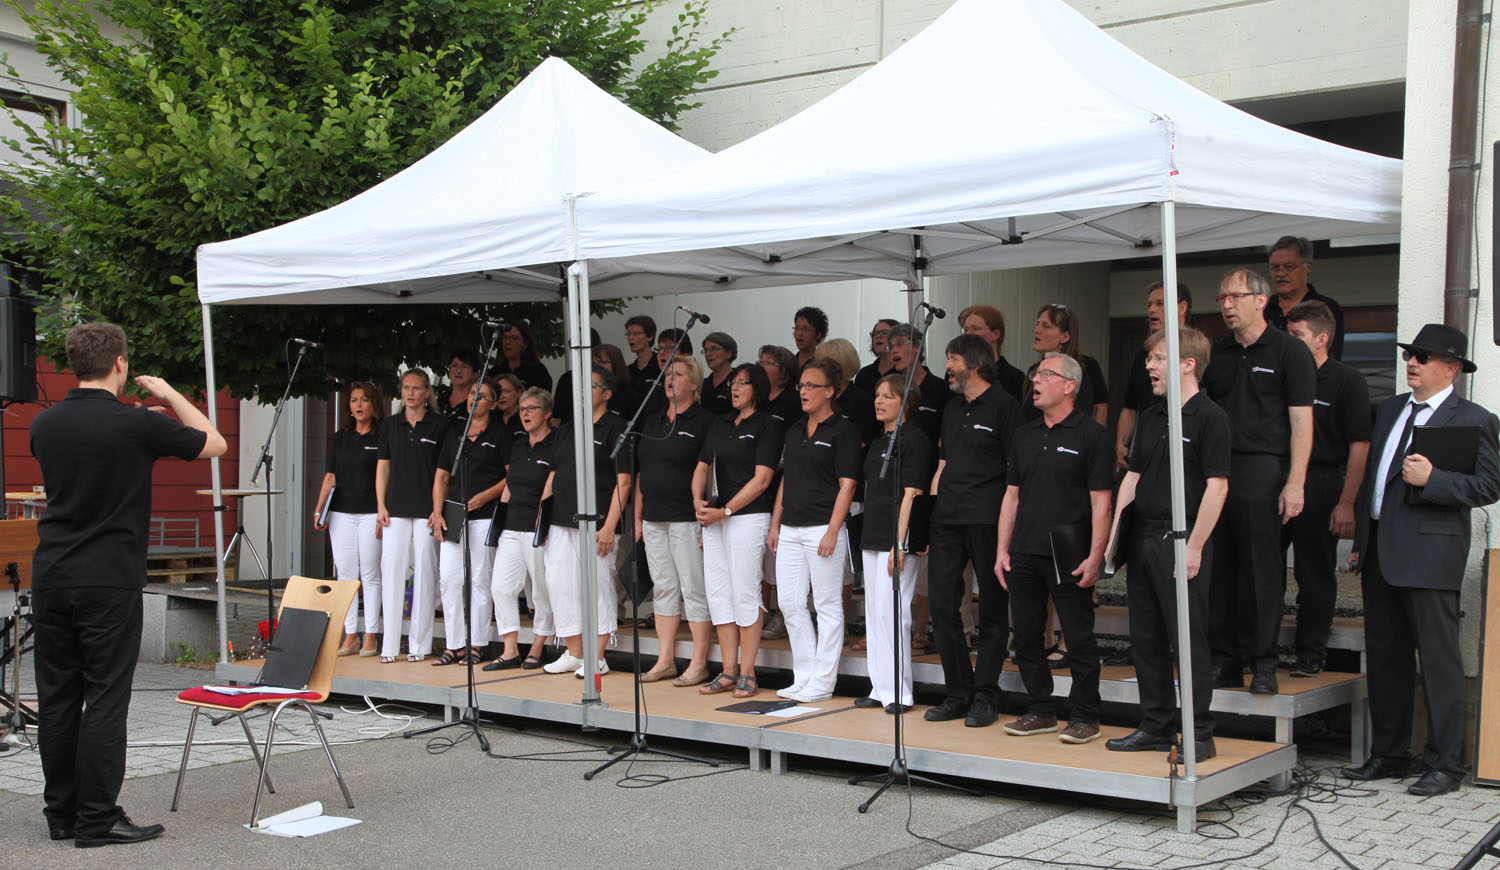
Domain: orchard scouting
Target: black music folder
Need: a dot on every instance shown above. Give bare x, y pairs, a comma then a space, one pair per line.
854, 531
455, 514
1119, 554
1450, 448
1070, 546
919, 523
294, 650
497, 524
543, 522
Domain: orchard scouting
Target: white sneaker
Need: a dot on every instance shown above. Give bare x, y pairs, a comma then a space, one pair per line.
809, 696
565, 662
790, 691
603, 669
774, 628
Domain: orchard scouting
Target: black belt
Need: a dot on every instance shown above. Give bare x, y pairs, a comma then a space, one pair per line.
1155, 529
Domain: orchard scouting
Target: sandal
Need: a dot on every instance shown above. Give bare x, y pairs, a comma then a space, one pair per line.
720, 684
648, 623
473, 657
387, 660
449, 656
415, 657
858, 646
1057, 658
745, 686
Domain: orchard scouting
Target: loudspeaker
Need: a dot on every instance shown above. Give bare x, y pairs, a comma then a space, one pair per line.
17, 350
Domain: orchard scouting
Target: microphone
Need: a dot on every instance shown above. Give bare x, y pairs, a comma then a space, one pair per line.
696, 315
310, 345
497, 324
936, 312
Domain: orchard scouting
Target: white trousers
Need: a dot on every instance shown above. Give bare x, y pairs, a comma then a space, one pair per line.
451, 582
408, 539
815, 651
565, 583
878, 603
733, 550
516, 561
356, 556
676, 563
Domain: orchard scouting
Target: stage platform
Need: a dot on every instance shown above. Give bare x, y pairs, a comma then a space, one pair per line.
837, 730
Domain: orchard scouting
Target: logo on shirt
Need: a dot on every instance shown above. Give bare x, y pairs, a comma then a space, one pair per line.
822, 444
426, 440
542, 462
1186, 440
687, 434
1263, 370
927, 409
751, 436
1067, 450
1323, 403
983, 427
486, 444
371, 448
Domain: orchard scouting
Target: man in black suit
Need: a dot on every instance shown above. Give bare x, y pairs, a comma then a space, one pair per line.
1414, 536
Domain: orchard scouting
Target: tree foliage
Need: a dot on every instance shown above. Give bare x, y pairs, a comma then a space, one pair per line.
212, 119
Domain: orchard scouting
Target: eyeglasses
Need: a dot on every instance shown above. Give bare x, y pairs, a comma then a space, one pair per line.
740, 383
1422, 357
1235, 297
529, 409
711, 348
899, 342
804, 387
1044, 374
598, 386
878, 333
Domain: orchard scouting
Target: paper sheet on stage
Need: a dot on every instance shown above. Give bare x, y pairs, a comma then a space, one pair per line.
304, 821
789, 712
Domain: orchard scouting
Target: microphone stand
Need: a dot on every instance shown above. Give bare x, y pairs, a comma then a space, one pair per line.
470, 717
265, 462
628, 441
897, 770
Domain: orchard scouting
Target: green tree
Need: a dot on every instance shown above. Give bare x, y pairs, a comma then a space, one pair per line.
217, 118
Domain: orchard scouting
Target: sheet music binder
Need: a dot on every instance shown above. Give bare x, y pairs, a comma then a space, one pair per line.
294, 650
497, 524
1450, 448
327, 506
543, 523
1070, 546
919, 523
455, 514
1119, 554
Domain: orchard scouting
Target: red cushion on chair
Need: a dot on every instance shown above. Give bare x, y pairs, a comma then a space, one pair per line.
201, 695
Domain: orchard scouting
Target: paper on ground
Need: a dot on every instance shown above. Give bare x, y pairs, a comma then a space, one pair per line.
789, 712
304, 821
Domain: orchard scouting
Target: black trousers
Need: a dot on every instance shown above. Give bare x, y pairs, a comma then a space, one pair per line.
1031, 580
1249, 571
87, 643
1400, 623
951, 547
1151, 592
1315, 552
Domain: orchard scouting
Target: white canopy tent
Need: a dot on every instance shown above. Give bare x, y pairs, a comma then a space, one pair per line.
1008, 133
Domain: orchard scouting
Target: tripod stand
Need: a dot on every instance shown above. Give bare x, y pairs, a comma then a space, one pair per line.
637, 744
470, 717
19, 715
897, 770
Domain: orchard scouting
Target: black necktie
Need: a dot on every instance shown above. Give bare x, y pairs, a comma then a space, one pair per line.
1404, 445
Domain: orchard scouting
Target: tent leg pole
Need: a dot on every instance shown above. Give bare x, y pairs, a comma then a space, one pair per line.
215, 472
580, 354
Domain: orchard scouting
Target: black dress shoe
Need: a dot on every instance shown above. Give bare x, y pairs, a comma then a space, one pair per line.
1119, 657
1203, 750
1377, 768
1435, 782
1264, 682
867, 701
946, 711
893, 708
1229, 678
982, 714
501, 663
1139, 741
123, 831
60, 830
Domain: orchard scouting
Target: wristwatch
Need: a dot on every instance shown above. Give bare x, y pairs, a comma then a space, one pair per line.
727, 511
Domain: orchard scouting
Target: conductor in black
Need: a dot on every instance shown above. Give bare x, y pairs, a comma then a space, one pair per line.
96, 456
976, 434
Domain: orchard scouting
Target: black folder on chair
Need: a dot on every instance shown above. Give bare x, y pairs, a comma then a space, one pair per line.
1070, 546
294, 650
1450, 448
919, 523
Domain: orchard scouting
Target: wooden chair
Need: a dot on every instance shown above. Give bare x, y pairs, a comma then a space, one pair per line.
330, 596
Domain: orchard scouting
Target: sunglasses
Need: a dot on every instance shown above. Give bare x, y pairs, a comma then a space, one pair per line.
1422, 357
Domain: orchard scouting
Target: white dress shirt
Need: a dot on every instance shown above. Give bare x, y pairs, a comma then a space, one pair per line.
1393, 449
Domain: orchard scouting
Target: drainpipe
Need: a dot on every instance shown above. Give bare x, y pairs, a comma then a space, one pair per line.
1462, 166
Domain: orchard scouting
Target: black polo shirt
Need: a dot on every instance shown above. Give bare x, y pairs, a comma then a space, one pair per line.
735, 448
1205, 454
867, 377
917, 463
448, 409
1138, 394
562, 397
815, 464
351, 460
1335, 341
858, 407
96, 455
933, 396
1341, 413
607, 430
1093, 391
666, 458
1011, 379
1056, 467
644, 375
716, 400
526, 477
1256, 385
976, 443
786, 408
514, 427
530, 374
483, 466
412, 450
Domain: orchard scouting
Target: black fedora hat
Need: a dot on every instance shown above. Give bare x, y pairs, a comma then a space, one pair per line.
1445, 341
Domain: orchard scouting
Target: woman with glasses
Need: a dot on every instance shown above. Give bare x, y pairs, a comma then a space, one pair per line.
516, 560
518, 357
1057, 331
882, 365
821, 459
988, 323
719, 351
353, 532
477, 483
882, 544
732, 498
667, 525
564, 583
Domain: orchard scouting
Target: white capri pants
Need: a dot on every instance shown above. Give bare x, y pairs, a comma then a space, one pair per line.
356, 556
815, 651
516, 561
676, 564
878, 603
565, 583
408, 539
733, 549
451, 582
